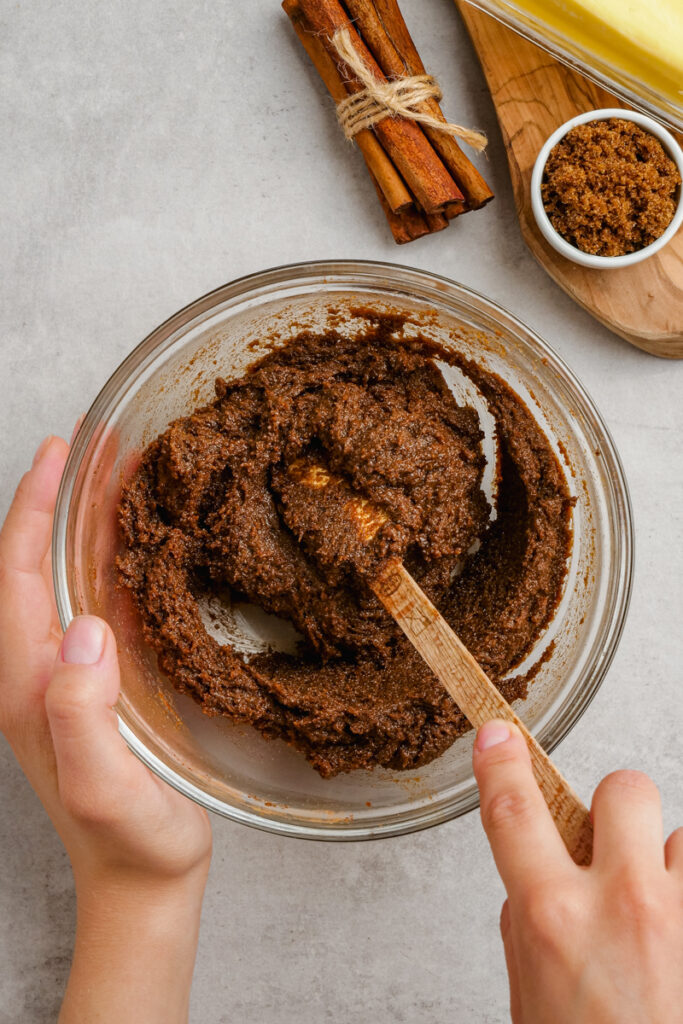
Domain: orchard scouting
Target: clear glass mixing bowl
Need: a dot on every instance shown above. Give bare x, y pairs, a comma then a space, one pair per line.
231, 769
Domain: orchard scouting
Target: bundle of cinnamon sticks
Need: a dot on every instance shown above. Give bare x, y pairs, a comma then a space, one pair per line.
422, 176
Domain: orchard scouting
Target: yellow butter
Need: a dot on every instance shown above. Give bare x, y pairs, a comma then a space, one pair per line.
642, 38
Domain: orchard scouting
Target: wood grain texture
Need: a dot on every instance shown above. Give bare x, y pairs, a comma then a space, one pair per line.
478, 698
533, 95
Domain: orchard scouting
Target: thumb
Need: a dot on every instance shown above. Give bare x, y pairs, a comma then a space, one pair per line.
89, 752
525, 843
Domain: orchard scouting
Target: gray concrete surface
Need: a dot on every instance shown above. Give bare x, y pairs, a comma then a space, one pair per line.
151, 151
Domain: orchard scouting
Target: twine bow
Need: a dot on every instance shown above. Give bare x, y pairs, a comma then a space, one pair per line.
400, 97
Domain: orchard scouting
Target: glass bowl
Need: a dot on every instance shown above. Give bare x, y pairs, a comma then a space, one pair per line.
231, 769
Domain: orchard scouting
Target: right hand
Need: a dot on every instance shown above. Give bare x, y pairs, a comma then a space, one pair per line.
596, 945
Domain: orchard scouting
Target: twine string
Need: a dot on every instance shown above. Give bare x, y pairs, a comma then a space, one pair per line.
400, 97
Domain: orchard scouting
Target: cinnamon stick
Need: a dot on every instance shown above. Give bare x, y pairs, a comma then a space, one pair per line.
386, 34
407, 225
438, 221
452, 210
405, 221
380, 166
407, 146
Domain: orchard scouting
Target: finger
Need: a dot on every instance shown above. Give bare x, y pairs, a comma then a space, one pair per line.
89, 752
627, 821
27, 532
27, 620
77, 427
526, 846
511, 964
673, 851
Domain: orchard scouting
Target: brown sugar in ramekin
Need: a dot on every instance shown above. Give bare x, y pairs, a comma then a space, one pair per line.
609, 187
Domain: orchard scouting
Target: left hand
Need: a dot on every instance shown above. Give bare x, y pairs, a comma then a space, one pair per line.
140, 851
119, 822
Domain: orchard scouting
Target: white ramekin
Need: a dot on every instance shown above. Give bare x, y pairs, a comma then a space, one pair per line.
555, 239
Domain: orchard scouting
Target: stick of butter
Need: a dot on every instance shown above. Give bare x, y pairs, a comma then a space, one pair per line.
641, 38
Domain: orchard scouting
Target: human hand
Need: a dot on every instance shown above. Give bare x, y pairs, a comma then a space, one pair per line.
595, 945
140, 851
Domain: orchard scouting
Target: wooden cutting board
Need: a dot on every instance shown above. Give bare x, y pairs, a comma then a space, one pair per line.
534, 94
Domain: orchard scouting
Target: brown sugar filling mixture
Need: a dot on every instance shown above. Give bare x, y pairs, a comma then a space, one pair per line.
609, 187
212, 506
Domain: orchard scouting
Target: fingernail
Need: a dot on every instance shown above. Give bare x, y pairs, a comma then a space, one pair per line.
83, 641
491, 734
42, 448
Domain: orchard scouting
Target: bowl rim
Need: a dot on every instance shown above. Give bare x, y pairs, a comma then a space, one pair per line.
392, 276
555, 239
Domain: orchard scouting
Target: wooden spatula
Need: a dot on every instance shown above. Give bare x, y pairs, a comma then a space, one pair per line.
477, 697
342, 526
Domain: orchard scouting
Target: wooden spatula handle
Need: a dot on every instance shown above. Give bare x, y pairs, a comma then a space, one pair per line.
478, 698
